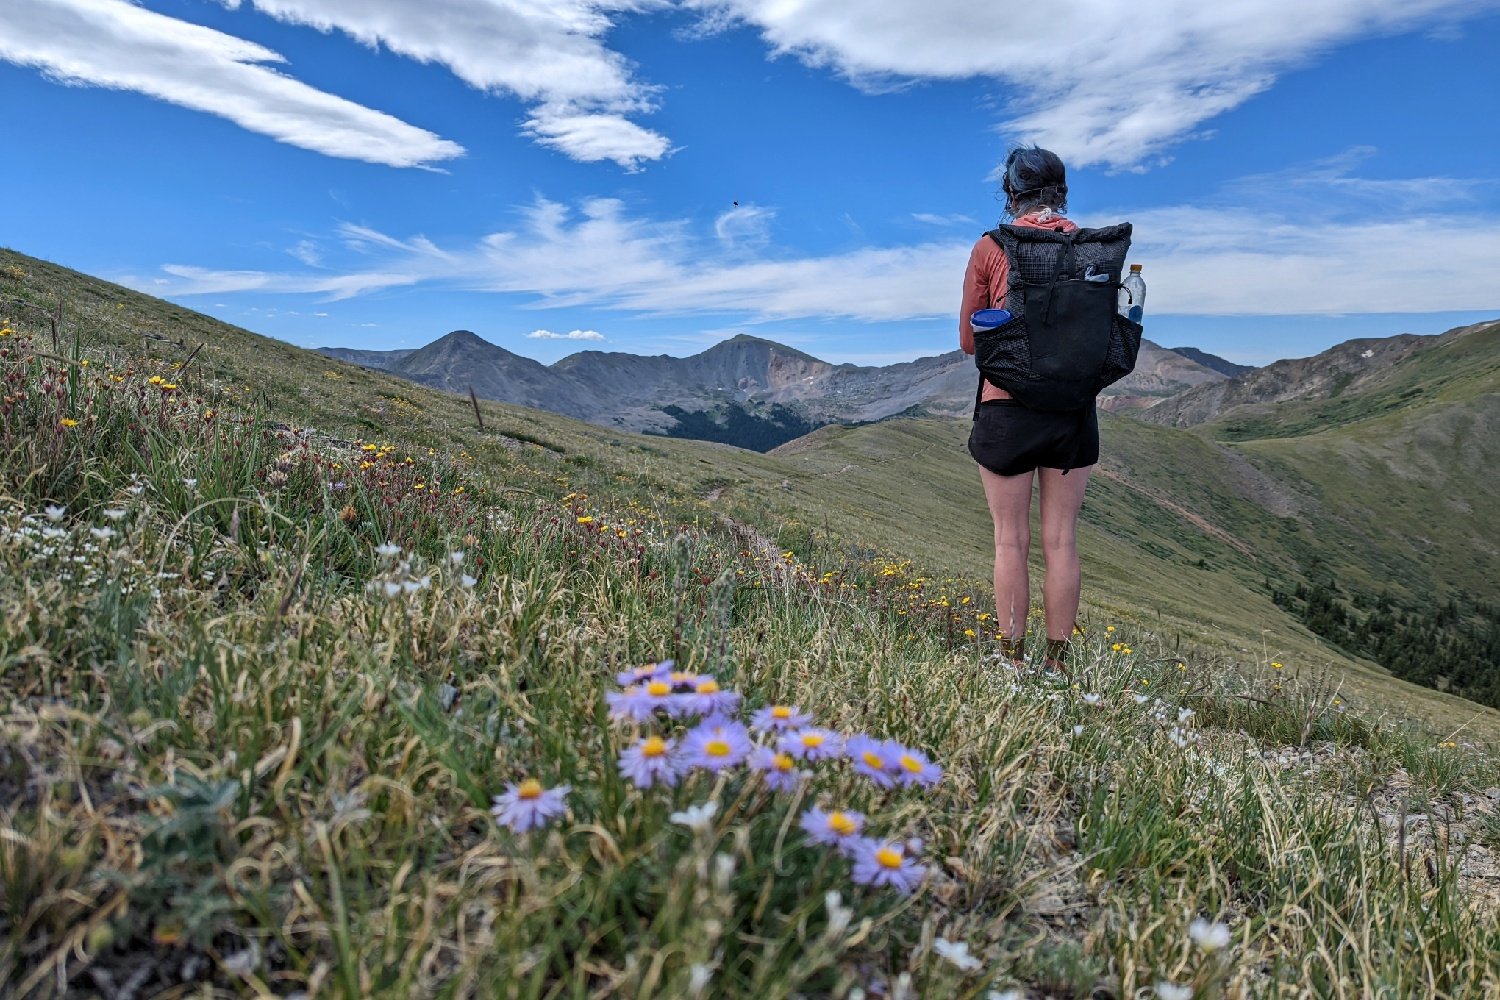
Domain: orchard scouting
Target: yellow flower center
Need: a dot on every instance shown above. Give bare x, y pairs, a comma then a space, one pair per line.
888, 858
709, 686
653, 746
873, 759
781, 712
716, 748
812, 740
910, 763
658, 689
679, 677
840, 824
782, 762
529, 789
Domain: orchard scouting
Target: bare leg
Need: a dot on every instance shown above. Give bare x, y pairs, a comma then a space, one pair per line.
1010, 507
1062, 496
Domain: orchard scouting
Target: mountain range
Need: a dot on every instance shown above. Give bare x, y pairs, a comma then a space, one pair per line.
745, 390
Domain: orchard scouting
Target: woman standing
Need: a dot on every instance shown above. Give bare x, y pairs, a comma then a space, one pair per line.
1015, 445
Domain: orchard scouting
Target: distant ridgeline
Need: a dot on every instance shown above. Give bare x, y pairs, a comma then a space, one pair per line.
1454, 647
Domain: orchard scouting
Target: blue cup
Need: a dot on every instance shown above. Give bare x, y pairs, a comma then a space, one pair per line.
989, 319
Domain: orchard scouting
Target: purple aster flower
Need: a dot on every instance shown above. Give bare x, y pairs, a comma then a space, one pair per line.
875, 759
778, 768
812, 743
642, 674
779, 717
911, 767
716, 744
840, 828
707, 698
639, 702
682, 680
529, 806
877, 863
651, 761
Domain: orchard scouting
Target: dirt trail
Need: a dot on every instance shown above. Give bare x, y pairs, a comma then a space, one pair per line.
1195, 519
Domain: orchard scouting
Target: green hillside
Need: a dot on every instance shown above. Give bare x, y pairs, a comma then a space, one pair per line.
275, 631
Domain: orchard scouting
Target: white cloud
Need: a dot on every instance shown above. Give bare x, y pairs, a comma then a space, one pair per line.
1331, 184
307, 252
1257, 256
204, 281
1237, 262
550, 54
931, 219
1099, 81
114, 44
570, 335
744, 225
590, 137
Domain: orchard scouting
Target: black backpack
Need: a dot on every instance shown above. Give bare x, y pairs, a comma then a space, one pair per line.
1065, 339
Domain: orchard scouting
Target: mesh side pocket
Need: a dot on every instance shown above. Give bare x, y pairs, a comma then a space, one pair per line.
1004, 352
1124, 345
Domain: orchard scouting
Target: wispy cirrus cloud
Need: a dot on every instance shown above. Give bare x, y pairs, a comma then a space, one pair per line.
932, 219
744, 226
549, 54
120, 46
1329, 256
1100, 82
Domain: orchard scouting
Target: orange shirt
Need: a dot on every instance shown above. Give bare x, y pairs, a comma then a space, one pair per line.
987, 280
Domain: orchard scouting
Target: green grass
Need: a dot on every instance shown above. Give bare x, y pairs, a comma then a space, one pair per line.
242, 749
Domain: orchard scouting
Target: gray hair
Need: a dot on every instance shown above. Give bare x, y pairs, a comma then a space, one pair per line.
1034, 178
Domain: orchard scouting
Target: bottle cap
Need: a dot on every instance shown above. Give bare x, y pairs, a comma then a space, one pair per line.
1135, 268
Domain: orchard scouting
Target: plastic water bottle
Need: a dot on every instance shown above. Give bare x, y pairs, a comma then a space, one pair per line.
1133, 295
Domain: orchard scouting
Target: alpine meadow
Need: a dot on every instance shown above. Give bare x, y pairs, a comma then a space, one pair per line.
280, 631
587, 499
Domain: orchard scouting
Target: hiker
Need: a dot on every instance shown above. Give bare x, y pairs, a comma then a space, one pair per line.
1053, 438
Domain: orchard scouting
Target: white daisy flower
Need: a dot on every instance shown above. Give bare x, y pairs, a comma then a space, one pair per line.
1209, 936
696, 818
956, 952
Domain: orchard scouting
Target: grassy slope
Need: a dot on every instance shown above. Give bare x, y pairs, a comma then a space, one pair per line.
1404, 470
257, 769
904, 487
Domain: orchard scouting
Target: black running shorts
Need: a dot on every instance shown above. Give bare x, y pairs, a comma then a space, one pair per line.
1010, 439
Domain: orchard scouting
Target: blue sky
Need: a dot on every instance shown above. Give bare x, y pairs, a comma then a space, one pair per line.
653, 176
